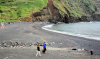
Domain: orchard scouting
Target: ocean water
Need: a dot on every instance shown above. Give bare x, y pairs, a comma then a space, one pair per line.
89, 30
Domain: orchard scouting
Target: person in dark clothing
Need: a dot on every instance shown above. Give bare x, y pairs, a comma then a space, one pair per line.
38, 50
44, 47
91, 52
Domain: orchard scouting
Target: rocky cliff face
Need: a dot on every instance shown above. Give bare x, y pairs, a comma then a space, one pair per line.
67, 11
96, 15
50, 14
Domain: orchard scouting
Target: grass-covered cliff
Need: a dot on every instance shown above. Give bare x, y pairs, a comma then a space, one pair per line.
60, 10
16, 10
76, 8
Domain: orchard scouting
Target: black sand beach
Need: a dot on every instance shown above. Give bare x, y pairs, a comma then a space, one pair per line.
59, 46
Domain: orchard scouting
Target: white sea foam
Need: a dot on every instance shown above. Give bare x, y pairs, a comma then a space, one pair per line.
47, 27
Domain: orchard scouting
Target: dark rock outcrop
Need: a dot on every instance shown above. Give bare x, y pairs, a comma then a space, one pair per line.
96, 17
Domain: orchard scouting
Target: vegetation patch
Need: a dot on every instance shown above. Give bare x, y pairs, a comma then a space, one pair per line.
19, 9
77, 8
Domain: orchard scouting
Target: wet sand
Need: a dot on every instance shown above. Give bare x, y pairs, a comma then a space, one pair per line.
59, 46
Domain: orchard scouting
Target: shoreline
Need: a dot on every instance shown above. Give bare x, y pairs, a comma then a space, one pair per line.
72, 34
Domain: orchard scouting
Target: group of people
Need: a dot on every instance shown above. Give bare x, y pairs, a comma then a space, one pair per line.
38, 49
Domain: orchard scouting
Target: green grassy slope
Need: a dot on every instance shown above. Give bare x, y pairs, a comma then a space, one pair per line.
77, 8
16, 10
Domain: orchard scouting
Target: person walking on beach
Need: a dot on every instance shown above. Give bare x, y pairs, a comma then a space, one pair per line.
44, 47
38, 50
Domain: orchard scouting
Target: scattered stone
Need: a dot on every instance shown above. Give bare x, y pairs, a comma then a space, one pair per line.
85, 49
0, 45
29, 44
79, 49
16, 44
41, 44
36, 43
10, 22
82, 48
53, 42
49, 43
21, 46
13, 44
4, 44
74, 49
60, 43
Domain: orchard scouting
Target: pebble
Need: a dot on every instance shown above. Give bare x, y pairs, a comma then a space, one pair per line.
53, 42
60, 43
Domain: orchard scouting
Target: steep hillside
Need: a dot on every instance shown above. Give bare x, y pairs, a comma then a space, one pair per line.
16, 10
49, 10
78, 10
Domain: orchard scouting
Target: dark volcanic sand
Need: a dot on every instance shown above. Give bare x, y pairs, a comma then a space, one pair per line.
61, 43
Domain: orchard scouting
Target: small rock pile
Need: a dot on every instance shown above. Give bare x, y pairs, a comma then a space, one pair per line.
18, 44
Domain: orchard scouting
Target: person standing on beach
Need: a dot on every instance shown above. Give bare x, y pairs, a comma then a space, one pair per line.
38, 50
44, 47
91, 52
2, 24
